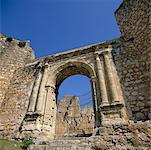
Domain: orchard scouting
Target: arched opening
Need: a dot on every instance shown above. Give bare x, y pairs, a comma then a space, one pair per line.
75, 113
79, 86
75, 101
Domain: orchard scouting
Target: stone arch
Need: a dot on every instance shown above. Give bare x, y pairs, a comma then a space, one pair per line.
72, 68
99, 67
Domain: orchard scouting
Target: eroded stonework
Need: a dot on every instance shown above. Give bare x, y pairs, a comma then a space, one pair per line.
71, 120
37, 84
119, 73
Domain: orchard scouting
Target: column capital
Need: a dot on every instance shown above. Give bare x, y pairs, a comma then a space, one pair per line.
107, 54
43, 65
98, 56
93, 79
46, 65
38, 65
97, 53
45, 68
107, 51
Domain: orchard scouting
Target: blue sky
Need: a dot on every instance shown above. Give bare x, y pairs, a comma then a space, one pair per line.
54, 26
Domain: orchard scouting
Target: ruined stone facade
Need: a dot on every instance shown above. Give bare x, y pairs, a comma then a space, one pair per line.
119, 73
71, 120
133, 60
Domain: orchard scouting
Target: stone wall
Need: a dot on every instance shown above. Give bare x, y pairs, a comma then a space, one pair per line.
134, 136
71, 120
15, 82
14, 107
133, 56
14, 54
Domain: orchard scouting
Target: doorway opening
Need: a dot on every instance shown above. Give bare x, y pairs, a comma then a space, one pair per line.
75, 107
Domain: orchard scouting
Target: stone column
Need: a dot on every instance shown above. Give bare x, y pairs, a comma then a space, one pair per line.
34, 94
93, 84
95, 102
101, 80
110, 74
42, 91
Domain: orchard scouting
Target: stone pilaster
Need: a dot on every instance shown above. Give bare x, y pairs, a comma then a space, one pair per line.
42, 91
101, 80
110, 75
34, 94
114, 112
49, 112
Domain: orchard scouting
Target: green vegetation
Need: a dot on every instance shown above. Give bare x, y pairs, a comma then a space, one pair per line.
15, 145
21, 44
9, 145
26, 142
9, 39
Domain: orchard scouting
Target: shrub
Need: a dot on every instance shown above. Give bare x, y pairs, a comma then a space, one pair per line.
26, 142
9, 39
22, 44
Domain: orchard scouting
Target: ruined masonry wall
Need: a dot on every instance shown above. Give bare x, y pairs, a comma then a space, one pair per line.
73, 120
15, 83
12, 57
133, 57
14, 108
135, 136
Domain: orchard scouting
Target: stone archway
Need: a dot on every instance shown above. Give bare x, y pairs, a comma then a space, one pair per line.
98, 65
63, 72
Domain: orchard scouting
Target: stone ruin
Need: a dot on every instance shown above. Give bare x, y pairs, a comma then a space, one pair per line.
119, 73
71, 120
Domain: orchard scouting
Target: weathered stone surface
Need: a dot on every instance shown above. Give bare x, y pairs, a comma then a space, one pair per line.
12, 57
71, 120
133, 58
119, 71
131, 136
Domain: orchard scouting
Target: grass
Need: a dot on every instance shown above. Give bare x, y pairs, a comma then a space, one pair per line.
9, 145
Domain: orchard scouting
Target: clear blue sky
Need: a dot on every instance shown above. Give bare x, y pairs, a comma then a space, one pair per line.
53, 26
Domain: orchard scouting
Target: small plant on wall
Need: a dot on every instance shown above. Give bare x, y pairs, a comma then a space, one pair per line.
21, 44
26, 142
9, 39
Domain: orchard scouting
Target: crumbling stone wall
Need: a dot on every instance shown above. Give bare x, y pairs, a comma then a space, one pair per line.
132, 58
123, 137
71, 120
16, 101
14, 54
134, 136
15, 82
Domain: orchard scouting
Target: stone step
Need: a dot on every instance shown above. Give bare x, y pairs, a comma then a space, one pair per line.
60, 147
62, 144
